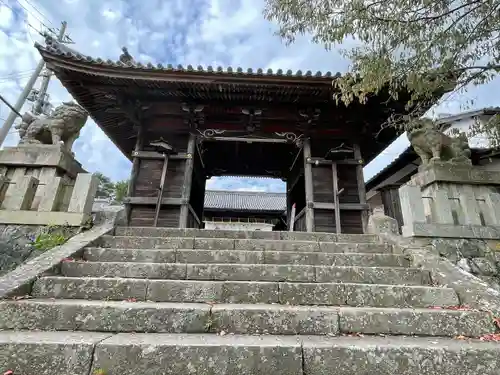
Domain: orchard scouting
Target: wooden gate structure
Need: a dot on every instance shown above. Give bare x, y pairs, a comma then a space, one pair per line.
182, 125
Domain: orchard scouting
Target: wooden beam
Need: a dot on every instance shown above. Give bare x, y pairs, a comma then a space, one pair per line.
191, 209
361, 187
342, 206
153, 155
135, 170
321, 161
308, 186
188, 179
151, 201
160, 190
336, 201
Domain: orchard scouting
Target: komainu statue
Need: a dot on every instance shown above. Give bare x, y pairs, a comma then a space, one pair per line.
433, 145
63, 125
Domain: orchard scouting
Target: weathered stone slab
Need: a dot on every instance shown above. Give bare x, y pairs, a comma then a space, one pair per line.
19, 281
293, 257
250, 292
190, 232
370, 260
146, 242
450, 172
358, 238
220, 256
255, 272
352, 247
48, 353
312, 294
304, 236
90, 288
451, 231
214, 243
275, 319
41, 156
427, 322
126, 270
184, 291
276, 245
373, 275
399, 355
398, 296
129, 255
104, 316
152, 354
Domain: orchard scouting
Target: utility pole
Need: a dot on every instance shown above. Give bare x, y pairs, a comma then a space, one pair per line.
24, 94
40, 101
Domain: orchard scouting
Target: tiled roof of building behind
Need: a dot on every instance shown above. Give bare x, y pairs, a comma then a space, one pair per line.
245, 201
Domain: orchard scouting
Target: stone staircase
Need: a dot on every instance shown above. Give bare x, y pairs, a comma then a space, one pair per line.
167, 301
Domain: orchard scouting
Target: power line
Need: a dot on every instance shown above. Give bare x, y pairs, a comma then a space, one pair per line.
22, 15
36, 9
35, 17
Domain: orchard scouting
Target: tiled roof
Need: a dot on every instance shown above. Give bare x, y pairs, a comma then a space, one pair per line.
245, 201
58, 49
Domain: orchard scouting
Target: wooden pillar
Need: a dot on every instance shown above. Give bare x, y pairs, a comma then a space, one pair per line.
135, 170
188, 179
361, 186
308, 182
336, 200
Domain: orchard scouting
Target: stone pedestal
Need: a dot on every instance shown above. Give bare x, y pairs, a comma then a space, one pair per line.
452, 200
43, 184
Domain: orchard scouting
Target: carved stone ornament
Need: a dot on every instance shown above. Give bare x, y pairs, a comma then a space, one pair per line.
433, 145
62, 126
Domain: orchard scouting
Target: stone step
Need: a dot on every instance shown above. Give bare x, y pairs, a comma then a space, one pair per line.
374, 295
204, 233
219, 256
248, 272
45, 353
170, 243
81, 353
161, 317
266, 257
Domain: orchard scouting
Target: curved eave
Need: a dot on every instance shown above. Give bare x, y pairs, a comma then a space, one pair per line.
98, 67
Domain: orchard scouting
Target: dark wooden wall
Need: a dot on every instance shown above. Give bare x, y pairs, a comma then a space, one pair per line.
197, 194
147, 184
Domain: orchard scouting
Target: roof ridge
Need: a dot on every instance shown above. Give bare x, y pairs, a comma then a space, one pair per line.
244, 192
56, 48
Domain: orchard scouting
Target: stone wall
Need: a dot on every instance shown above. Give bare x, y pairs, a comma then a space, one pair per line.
16, 245
478, 257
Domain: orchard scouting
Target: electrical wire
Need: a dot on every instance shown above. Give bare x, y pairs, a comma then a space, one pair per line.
38, 11
35, 17
23, 16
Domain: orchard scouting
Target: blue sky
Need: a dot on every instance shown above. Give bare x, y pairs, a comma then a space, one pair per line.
196, 32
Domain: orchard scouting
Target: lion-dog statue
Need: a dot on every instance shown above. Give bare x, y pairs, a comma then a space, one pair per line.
433, 145
63, 125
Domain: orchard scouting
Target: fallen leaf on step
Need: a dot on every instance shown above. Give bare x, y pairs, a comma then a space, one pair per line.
17, 298
8, 372
435, 307
131, 300
490, 337
460, 337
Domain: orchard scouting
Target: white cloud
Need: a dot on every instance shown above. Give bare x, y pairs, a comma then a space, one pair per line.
206, 32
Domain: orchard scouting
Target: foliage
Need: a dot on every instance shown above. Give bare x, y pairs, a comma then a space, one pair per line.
420, 45
51, 236
106, 187
120, 191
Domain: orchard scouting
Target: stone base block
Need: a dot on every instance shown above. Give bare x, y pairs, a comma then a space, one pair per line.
488, 232
40, 156
73, 219
455, 173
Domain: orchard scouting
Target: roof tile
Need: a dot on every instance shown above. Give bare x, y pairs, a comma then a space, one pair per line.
245, 201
